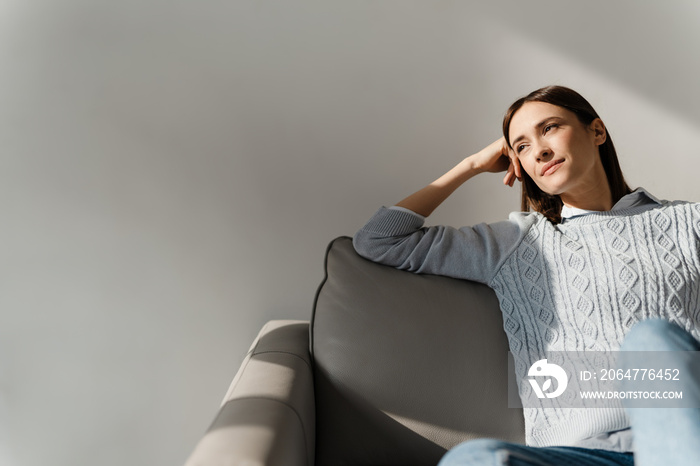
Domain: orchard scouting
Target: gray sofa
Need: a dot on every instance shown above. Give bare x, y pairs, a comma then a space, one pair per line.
394, 368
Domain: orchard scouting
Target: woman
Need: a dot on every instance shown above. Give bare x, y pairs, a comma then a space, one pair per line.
594, 266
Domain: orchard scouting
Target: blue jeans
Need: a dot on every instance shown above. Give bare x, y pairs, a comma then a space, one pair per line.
662, 436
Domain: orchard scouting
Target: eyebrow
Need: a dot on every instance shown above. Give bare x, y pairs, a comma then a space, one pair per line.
538, 125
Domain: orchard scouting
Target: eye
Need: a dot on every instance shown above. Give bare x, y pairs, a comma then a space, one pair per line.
550, 126
520, 148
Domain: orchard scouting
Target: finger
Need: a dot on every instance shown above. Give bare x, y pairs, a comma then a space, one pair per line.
509, 179
514, 169
514, 162
515, 172
509, 174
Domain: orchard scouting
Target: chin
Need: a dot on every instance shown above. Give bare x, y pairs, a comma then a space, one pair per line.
552, 191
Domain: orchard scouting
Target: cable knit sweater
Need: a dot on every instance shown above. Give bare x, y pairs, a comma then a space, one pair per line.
576, 286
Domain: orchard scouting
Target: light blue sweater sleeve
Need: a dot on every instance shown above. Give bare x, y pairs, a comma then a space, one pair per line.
399, 239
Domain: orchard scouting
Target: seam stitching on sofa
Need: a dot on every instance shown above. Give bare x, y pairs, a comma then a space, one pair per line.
301, 422
318, 295
241, 370
284, 352
246, 360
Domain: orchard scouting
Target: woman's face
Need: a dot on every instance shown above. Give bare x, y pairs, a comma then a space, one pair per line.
558, 151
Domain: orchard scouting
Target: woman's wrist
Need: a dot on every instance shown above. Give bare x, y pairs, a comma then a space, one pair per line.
470, 167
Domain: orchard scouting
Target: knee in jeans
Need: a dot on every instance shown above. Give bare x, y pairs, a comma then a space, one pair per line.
650, 335
486, 444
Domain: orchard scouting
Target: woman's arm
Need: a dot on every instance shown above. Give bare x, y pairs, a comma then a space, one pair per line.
496, 157
398, 238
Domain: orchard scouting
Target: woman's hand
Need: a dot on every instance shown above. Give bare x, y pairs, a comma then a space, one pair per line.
498, 157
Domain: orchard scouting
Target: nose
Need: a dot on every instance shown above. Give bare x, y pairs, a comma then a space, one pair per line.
543, 152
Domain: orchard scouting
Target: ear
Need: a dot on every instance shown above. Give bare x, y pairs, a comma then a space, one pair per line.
600, 134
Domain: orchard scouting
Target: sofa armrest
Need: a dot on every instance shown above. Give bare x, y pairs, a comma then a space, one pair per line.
268, 414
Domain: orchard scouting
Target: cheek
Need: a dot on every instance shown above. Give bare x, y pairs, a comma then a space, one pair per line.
528, 167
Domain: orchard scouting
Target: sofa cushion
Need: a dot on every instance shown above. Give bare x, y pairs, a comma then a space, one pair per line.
405, 365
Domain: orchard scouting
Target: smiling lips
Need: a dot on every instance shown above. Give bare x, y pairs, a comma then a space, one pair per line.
550, 167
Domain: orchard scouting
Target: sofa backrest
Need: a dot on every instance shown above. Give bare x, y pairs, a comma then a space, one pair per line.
405, 365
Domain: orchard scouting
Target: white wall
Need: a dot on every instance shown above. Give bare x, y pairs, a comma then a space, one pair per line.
171, 172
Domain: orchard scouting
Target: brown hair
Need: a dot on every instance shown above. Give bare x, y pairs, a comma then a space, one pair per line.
532, 196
